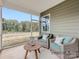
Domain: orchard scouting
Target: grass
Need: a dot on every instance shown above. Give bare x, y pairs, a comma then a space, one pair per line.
9, 39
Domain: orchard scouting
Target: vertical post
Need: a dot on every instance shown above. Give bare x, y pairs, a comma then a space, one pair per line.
1, 4
31, 25
0, 28
40, 25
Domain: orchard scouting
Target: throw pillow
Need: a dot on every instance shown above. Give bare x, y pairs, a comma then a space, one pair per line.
59, 40
44, 37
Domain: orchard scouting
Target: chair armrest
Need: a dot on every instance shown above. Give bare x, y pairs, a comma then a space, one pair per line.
72, 42
52, 40
40, 37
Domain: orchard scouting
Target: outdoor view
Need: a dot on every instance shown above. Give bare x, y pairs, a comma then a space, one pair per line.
18, 27
45, 23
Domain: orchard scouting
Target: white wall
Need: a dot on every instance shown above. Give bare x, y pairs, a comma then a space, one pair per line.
65, 18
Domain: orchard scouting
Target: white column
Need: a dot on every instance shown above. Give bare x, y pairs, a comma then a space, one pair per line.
0, 27
31, 25
1, 4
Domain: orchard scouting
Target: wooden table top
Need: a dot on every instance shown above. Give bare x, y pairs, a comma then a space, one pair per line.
31, 47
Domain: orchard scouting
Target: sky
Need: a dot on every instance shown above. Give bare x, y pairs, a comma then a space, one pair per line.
20, 16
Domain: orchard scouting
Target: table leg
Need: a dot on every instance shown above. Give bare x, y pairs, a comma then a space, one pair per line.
39, 50
26, 54
36, 54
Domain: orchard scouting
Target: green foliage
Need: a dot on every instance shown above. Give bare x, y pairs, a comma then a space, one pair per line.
10, 25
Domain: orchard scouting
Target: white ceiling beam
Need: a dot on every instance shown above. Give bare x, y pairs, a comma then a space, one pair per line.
19, 8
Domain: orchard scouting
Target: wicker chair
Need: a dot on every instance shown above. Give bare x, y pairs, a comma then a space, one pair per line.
71, 50
45, 43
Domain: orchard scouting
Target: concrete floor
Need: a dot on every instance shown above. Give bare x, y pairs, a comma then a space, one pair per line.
19, 53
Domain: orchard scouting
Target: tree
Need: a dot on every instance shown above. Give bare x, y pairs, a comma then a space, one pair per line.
12, 25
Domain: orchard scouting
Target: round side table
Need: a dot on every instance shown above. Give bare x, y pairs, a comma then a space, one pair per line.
29, 47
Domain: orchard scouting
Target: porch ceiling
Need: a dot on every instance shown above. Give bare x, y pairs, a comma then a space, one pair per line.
32, 6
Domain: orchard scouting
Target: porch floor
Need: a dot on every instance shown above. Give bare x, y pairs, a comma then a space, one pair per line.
19, 53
